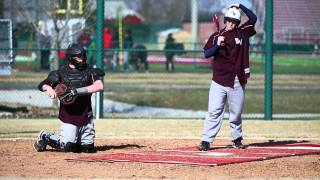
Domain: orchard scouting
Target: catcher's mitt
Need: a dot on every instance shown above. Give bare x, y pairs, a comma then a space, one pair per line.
65, 94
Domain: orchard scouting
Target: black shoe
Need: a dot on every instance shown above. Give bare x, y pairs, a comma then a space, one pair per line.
204, 146
40, 144
238, 144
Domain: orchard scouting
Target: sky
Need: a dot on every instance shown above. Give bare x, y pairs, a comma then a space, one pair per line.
246, 3
203, 4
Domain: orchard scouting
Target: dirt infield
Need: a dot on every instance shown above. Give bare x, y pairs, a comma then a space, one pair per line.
19, 160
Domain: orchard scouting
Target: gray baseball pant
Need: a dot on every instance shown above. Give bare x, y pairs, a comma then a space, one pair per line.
75, 134
218, 96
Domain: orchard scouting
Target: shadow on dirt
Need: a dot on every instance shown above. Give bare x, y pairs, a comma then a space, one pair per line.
262, 144
126, 146
101, 148
274, 143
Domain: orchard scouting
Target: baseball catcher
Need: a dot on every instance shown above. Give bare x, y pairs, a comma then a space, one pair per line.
73, 84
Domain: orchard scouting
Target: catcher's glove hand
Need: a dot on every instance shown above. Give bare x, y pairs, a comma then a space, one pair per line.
65, 94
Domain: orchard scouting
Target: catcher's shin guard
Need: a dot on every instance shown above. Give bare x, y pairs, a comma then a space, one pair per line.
88, 148
55, 143
71, 147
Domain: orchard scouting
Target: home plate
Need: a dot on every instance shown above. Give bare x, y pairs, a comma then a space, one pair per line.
218, 155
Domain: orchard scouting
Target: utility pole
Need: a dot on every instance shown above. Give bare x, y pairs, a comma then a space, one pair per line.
99, 53
194, 23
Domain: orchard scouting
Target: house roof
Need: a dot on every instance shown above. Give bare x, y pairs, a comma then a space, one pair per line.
113, 7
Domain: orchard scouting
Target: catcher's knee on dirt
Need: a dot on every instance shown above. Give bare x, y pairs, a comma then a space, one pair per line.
65, 147
88, 148
70, 147
62, 146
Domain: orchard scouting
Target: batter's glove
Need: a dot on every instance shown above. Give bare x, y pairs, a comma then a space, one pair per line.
65, 94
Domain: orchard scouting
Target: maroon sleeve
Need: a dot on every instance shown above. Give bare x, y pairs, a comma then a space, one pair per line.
97, 74
52, 80
247, 29
211, 41
95, 77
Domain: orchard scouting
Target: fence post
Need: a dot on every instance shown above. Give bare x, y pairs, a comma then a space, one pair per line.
100, 52
268, 61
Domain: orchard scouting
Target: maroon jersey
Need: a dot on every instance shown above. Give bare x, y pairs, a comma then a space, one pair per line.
232, 59
78, 113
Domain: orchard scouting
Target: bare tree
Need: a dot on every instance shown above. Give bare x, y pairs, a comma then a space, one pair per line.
61, 31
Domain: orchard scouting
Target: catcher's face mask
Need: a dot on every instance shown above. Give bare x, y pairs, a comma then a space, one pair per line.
77, 56
78, 61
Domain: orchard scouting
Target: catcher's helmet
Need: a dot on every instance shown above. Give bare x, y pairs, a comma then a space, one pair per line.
76, 50
233, 14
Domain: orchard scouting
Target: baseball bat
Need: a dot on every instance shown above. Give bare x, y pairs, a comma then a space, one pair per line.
216, 23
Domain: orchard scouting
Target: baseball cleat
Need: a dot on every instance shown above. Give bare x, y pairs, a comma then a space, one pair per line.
40, 144
204, 146
238, 144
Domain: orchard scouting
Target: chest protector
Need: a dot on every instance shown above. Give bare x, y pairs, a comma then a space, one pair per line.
76, 78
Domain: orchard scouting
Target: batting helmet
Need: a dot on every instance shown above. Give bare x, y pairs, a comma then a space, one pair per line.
76, 50
233, 14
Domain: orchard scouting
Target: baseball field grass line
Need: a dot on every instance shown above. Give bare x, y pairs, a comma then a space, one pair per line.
284, 101
171, 78
169, 128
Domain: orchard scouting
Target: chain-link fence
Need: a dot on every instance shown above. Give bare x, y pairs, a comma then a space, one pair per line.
146, 87
140, 79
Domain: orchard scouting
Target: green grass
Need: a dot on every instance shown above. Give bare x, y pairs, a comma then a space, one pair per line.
204, 79
289, 64
182, 68
197, 99
283, 102
283, 64
34, 63
190, 90
170, 79
157, 128
192, 100
289, 59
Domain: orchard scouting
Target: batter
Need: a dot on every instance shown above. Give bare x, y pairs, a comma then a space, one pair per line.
229, 48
